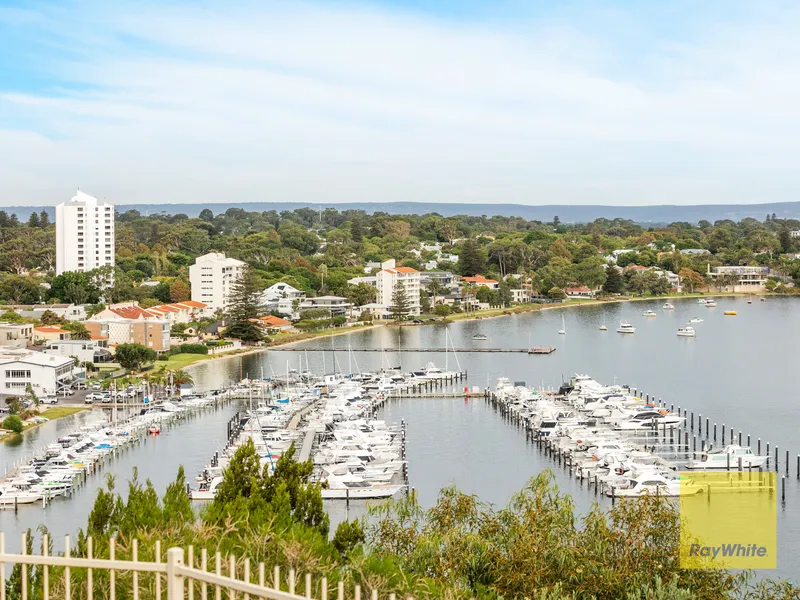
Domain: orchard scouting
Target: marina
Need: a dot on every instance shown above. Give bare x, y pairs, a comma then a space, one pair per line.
458, 437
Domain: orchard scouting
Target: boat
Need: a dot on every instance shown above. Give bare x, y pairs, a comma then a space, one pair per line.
648, 313
647, 419
668, 306
686, 331
695, 320
728, 458
207, 489
749, 300
730, 313
154, 430
710, 303
479, 337
701, 300
652, 484
563, 330
625, 327
763, 299
10, 495
603, 327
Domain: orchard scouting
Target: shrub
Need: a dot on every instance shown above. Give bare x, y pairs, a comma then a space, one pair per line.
193, 349
13, 423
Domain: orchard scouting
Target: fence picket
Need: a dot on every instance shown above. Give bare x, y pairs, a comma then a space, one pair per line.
218, 571
67, 573
2, 566
158, 575
45, 569
191, 564
247, 575
112, 580
204, 567
135, 558
231, 574
24, 551
89, 572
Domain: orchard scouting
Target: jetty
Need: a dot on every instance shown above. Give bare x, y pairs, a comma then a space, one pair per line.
537, 350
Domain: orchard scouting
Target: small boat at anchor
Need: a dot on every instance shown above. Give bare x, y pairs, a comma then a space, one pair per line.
668, 306
479, 337
154, 430
686, 331
730, 313
648, 313
695, 320
563, 330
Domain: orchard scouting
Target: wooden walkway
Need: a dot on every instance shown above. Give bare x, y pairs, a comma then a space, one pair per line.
537, 350
308, 442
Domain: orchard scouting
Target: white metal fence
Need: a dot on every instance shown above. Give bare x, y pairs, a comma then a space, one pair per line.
182, 575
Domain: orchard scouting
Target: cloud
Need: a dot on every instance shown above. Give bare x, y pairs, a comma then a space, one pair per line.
322, 102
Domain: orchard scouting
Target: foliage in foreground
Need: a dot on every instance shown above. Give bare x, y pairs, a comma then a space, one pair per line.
534, 548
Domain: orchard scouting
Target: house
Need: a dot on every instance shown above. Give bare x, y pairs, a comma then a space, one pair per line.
368, 279
444, 278
336, 305
523, 294
674, 280
46, 374
392, 276
16, 335
70, 312
179, 312
615, 254
480, 280
747, 279
48, 333
371, 266
580, 291
795, 233
152, 333
695, 251
375, 310
274, 324
91, 351
281, 298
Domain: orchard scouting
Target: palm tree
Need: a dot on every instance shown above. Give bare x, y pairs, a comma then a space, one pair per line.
181, 377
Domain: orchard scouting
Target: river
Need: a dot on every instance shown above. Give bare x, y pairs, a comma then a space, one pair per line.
736, 371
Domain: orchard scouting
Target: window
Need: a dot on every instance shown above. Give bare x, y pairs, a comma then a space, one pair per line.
18, 374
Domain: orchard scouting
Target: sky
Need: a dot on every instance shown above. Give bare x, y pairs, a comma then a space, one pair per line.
460, 101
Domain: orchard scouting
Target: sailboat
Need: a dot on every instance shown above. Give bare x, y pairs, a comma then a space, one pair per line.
603, 326
563, 330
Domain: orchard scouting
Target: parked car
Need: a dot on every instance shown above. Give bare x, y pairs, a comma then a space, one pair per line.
92, 397
67, 391
49, 400
80, 385
96, 386
106, 398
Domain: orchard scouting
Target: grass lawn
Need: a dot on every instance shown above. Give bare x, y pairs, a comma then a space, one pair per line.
178, 361
57, 412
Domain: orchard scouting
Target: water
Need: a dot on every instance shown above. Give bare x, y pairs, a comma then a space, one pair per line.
737, 371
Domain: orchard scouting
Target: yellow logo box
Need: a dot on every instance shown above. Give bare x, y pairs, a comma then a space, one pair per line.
728, 520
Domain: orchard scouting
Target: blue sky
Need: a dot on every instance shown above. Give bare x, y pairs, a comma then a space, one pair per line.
532, 102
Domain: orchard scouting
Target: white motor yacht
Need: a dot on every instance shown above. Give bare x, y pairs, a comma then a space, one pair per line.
625, 327
728, 458
686, 331
10, 495
695, 320
207, 490
648, 313
646, 419
668, 306
655, 485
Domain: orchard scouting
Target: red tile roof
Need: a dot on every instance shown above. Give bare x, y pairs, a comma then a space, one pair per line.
194, 303
273, 321
50, 329
132, 312
574, 290
478, 279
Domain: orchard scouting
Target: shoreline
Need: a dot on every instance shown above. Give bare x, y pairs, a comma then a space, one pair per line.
64, 411
473, 316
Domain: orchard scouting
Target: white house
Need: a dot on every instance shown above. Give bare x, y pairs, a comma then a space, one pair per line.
212, 277
70, 312
16, 335
84, 350
84, 234
390, 276
47, 374
280, 297
336, 305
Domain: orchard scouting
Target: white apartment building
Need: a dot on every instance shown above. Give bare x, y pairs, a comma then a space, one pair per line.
84, 234
281, 297
390, 276
212, 277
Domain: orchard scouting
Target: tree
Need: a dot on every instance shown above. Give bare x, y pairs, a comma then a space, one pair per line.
442, 310
691, 278
33, 220
556, 293
181, 377
20, 289
356, 232
44, 219
132, 356
361, 293
161, 292
179, 291
78, 330
50, 318
401, 305
435, 289
614, 283
243, 306
472, 259
13, 423
559, 249
504, 295
591, 272
75, 288
785, 239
